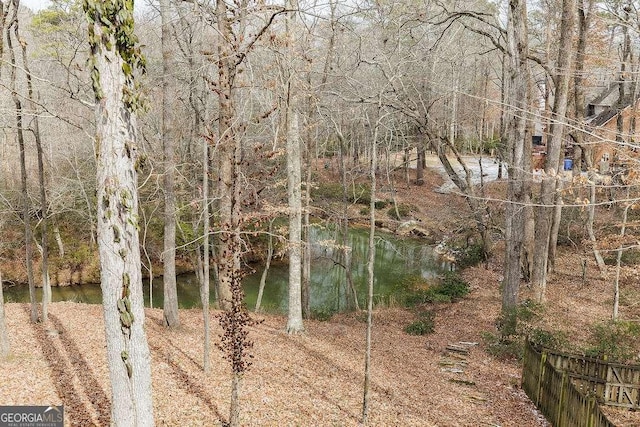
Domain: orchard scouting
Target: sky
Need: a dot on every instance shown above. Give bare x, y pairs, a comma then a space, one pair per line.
35, 5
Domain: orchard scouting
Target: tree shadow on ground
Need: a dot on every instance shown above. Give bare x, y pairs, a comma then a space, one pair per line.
188, 383
354, 376
160, 328
63, 373
92, 388
314, 354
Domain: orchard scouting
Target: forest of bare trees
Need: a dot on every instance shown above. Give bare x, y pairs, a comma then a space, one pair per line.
176, 133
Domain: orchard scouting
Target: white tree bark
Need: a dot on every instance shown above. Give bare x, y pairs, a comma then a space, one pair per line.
118, 243
294, 183
294, 320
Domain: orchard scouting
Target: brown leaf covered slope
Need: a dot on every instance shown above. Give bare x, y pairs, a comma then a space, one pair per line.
310, 380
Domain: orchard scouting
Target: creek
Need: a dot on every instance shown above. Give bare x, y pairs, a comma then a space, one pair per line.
396, 261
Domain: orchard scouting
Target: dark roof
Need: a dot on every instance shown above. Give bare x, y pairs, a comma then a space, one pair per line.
605, 93
603, 117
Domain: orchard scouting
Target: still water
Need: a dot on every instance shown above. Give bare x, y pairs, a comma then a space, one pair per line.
396, 260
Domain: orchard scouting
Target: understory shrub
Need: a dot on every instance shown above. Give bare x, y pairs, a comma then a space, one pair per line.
450, 289
470, 256
516, 326
323, 314
404, 211
629, 257
614, 340
416, 291
423, 326
359, 193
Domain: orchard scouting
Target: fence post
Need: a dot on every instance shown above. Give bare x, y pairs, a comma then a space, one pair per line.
543, 360
561, 404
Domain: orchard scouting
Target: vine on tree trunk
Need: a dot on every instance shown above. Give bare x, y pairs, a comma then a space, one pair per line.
115, 17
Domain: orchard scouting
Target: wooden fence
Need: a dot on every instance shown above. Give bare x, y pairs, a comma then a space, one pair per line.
614, 384
554, 393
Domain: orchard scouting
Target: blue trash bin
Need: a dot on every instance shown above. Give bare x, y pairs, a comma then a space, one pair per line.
568, 164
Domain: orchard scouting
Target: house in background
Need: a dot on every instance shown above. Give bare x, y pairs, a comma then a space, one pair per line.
612, 149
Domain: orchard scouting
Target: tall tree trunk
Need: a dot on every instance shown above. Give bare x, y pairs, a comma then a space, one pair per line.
294, 319
545, 212
306, 219
44, 207
204, 291
26, 206
4, 337
503, 148
580, 150
5, 348
528, 242
370, 270
128, 354
306, 241
584, 15
294, 174
228, 241
170, 307
518, 99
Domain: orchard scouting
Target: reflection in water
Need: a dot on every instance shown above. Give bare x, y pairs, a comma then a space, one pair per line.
395, 261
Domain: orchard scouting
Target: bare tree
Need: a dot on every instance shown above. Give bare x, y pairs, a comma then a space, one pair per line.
4, 337
371, 265
44, 206
204, 291
518, 106
115, 57
19, 114
170, 307
229, 156
294, 174
550, 181
234, 43
294, 319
